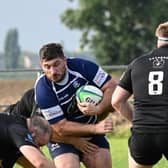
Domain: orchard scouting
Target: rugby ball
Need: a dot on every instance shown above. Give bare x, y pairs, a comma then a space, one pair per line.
90, 94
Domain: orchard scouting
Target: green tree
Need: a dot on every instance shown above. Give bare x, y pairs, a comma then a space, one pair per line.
12, 49
116, 31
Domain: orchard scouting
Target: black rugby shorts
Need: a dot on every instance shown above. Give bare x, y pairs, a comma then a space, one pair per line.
57, 149
147, 149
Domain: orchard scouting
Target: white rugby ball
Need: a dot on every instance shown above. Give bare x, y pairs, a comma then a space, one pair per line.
90, 94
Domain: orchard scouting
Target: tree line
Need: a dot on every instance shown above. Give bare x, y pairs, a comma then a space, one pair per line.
117, 31
14, 56
114, 31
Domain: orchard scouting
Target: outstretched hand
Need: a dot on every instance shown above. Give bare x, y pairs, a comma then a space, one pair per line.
104, 126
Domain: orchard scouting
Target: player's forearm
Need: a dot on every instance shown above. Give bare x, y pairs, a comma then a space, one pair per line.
124, 109
68, 128
47, 164
105, 105
34, 156
108, 90
120, 102
64, 139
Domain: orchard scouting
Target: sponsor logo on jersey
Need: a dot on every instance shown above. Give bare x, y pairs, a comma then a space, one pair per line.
52, 112
54, 146
158, 61
29, 138
76, 84
100, 77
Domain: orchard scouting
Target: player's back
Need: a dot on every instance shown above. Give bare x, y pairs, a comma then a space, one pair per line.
7, 143
149, 75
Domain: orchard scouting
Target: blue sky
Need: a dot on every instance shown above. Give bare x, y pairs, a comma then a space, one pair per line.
38, 22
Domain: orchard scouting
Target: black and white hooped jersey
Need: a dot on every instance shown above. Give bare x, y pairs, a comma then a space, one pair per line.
57, 100
147, 78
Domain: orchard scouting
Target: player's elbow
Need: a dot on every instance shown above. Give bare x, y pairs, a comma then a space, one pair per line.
41, 163
115, 103
60, 131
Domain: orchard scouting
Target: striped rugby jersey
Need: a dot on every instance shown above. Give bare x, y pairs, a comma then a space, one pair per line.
57, 101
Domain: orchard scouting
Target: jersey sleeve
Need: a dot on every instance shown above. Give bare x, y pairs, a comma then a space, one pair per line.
125, 80
91, 71
20, 135
47, 101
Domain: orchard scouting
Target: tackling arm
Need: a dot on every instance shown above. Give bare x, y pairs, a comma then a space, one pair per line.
80, 143
69, 128
36, 158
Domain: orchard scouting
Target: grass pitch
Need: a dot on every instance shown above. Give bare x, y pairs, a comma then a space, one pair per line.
119, 149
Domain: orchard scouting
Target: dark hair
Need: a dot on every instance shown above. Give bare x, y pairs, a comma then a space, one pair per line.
51, 51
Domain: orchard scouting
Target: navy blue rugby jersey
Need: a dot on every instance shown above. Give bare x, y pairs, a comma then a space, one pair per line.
57, 100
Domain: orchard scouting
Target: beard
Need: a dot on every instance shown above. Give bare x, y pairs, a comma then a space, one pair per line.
62, 79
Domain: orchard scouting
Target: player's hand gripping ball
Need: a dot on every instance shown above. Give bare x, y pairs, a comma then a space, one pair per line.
90, 94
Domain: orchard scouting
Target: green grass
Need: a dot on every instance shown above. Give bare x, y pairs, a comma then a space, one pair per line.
119, 152
119, 149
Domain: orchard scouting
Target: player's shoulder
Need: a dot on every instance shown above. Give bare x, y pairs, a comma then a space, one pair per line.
43, 86
42, 81
10, 119
76, 61
79, 64
142, 58
29, 93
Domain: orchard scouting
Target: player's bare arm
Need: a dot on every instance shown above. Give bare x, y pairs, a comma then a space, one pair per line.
108, 89
120, 103
66, 128
36, 158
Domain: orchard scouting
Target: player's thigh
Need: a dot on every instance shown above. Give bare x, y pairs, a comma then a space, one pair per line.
22, 161
67, 160
64, 155
133, 164
99, 159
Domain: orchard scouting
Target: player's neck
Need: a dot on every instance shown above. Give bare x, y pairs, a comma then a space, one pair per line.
64, 80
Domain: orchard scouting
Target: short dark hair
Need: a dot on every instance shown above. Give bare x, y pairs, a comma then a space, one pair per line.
50, 51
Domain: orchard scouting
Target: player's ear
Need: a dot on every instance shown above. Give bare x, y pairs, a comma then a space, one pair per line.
33, 132
65, 60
